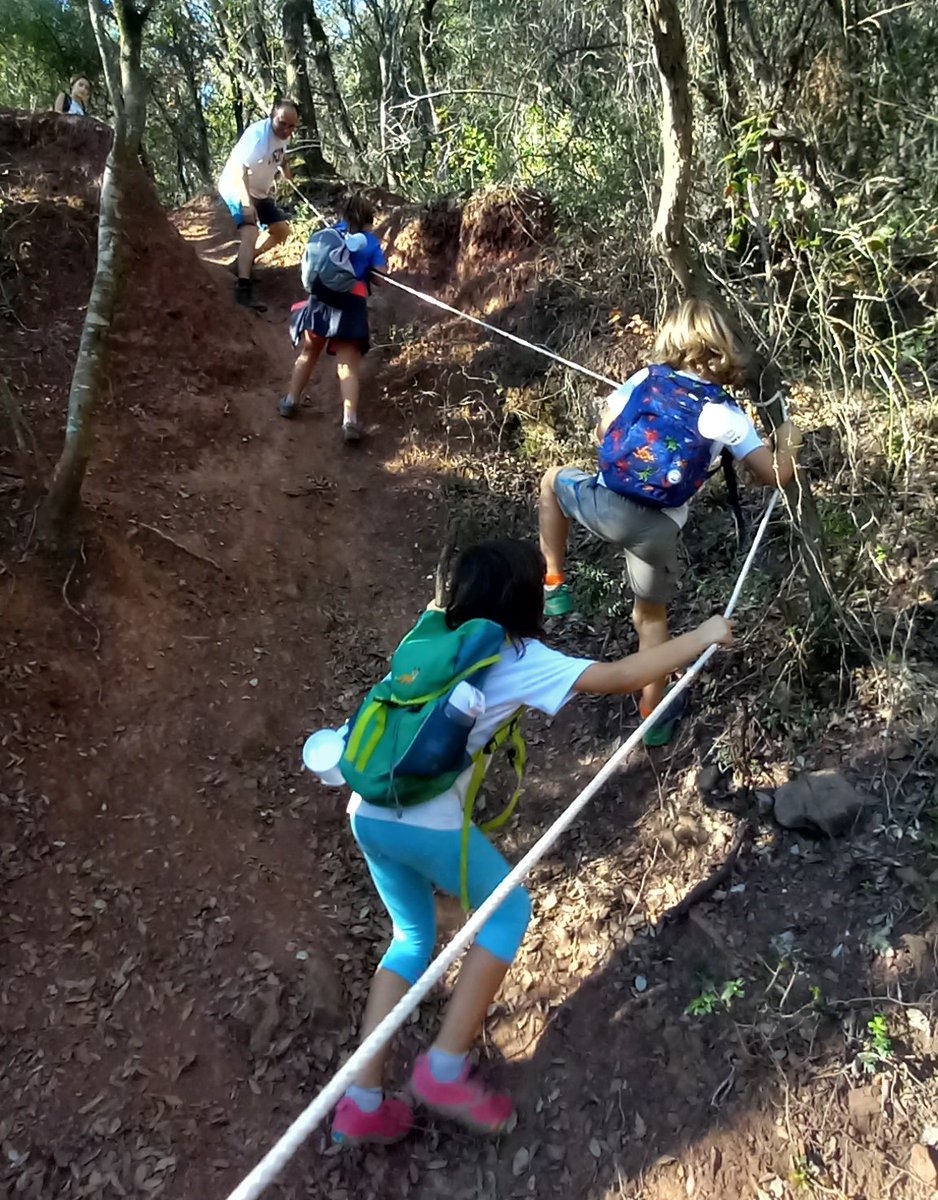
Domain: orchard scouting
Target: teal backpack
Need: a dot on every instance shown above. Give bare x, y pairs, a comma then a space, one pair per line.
404, 749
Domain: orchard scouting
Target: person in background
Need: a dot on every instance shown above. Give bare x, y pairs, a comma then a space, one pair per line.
73, 102
246, 185
317, 325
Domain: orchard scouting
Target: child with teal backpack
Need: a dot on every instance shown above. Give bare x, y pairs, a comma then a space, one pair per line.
414, 771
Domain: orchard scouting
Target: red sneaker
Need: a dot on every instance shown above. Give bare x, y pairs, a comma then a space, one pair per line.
391, 1121
467, 1100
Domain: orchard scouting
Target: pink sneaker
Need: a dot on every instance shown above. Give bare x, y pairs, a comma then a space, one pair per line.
467, 1101
391, 1121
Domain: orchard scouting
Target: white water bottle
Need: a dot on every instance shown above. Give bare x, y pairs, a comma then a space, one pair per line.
465, 705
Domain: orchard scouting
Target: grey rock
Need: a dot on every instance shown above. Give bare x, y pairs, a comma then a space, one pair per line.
707, 779
819, 800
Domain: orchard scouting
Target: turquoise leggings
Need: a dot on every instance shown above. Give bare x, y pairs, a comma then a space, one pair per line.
406, 862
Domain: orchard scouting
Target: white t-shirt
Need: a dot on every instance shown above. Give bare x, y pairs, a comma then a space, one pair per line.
620, 397
537, 677
261, 151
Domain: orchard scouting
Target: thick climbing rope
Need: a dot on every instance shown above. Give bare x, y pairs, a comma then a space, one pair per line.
511, 337
280, 1154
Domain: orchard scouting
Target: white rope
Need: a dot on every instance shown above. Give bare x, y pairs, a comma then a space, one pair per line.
280, 1154
511, 337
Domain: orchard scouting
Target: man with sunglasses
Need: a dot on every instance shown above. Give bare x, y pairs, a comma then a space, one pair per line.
246, 184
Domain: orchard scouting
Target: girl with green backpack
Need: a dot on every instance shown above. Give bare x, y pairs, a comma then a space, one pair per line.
415, 837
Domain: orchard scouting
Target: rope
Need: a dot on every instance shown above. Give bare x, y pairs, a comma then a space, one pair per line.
280, 1154
511, 337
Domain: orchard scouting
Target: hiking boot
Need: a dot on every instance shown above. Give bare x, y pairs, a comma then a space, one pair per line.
662, 731
391, 1121
244, 295
558, 601
287, 407
352, 431
467, 1100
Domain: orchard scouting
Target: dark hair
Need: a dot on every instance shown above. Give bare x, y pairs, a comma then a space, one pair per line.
358, 210
75, 78
284, 103
502, 581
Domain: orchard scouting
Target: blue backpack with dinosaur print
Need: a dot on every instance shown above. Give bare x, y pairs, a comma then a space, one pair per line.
653, 451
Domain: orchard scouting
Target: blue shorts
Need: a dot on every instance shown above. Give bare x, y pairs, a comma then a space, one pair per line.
267, 211
405, 863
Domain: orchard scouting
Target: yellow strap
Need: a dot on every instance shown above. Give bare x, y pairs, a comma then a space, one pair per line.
358, 731
511, 729
381, 720
518, 759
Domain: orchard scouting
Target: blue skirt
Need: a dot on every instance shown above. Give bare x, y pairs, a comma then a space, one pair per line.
348, 324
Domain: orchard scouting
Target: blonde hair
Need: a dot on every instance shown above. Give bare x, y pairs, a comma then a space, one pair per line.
697, 337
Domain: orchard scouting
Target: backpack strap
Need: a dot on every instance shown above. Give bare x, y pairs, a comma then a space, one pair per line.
510, 731
728, 463
355, 752
633, 405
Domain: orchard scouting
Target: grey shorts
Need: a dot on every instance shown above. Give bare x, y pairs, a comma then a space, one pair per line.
647, 535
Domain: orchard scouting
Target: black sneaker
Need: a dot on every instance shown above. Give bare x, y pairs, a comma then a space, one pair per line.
244, 295
352, 431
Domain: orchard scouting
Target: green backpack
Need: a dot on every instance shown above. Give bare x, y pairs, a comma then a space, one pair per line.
403, 749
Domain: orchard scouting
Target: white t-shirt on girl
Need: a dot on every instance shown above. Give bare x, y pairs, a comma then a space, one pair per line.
534, 676
618, 399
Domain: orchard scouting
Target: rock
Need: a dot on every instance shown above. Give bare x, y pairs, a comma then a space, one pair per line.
923, 1164
864, 1103
707, 779
818, 800
764, 803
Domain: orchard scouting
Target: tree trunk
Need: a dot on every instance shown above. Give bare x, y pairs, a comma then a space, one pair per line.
322, 56
297, 76
729, 92
202, 150
256, 40
128, 99
237, 104
768, 395
668, 233
431, 120
233, 50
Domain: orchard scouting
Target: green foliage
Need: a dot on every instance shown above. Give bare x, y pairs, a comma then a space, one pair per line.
877, 1049
713, 999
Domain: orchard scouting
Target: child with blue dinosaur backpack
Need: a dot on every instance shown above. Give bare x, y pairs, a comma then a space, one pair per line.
659, 435
416, 837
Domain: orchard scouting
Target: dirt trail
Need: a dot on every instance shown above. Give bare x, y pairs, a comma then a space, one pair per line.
186, 930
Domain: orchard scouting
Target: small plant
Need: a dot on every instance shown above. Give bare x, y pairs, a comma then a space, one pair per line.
710, 1000
803, 1172
877, 1049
